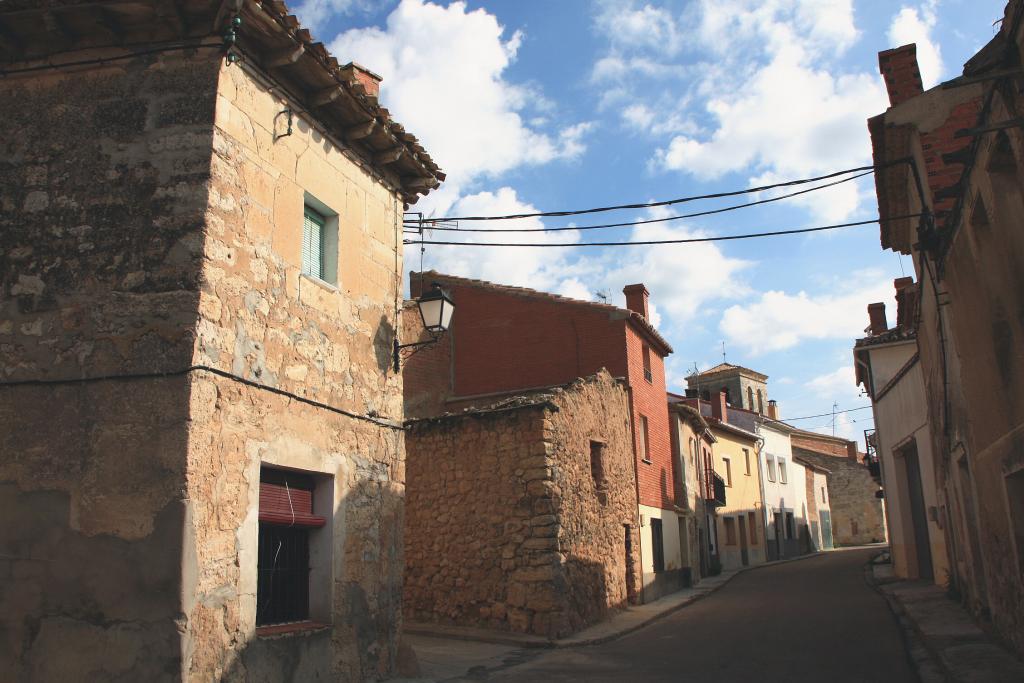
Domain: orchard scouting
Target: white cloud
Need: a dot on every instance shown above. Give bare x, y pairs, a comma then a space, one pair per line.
535, 267
915, 25
789, 120
777, 320
839, 385
314, 13
444, 79
646, 27
771, 103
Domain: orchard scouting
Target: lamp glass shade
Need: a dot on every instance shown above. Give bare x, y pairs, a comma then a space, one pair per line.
436, 309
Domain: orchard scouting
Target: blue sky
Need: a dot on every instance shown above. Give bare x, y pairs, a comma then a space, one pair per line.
550, 105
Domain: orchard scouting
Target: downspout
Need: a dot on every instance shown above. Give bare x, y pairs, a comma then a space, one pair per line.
760, 484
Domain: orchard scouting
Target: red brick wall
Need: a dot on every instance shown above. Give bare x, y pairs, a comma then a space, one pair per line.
505, 342
942, 141
822, 446
426, 374
654, 479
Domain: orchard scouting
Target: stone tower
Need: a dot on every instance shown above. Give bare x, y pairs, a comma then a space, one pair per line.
745, 388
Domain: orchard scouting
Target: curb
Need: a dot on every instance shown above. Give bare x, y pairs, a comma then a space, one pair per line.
541, 644
924, 660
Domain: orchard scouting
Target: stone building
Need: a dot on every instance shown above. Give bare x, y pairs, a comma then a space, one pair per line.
857, 512
506, 340
744, 388
203, 465
521, 516
968, 253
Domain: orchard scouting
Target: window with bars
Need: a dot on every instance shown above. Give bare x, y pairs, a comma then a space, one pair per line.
286, 523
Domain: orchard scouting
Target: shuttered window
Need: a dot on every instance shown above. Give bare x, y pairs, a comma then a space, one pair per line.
286, 520
313, 244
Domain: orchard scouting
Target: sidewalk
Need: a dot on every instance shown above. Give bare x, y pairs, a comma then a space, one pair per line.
944, 641
450, 652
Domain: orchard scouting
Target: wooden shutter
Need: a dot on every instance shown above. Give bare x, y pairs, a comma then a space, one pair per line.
287, 498
312, 244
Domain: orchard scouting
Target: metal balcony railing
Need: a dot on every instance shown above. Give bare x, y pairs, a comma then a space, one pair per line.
717, 491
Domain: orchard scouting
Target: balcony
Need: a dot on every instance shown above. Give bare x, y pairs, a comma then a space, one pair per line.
717, 491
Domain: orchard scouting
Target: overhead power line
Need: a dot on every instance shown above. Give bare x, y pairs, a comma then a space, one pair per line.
690, 240
427, 223
680, 200
838, 412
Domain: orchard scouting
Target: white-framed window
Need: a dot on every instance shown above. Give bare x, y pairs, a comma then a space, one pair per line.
770, 467
782, 471
319, 241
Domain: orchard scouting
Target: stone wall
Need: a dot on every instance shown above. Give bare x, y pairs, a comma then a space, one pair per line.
265, 322
102, 200
857, 515
506, 527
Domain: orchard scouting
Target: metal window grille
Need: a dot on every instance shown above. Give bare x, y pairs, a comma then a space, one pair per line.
282, 589
313, 243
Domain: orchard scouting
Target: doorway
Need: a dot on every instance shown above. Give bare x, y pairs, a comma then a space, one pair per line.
744, 553
918, 513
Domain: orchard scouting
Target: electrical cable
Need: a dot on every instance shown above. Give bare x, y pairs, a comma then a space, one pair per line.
681, 200
733, 207
838, 412
721, 238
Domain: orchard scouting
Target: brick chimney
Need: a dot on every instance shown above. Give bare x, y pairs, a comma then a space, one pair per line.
901, 73
773, 409
636, 298
876, 312
719, 407
906, 302
851, 450
368, 79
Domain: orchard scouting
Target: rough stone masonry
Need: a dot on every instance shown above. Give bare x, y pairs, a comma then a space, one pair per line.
510, 524
158, 346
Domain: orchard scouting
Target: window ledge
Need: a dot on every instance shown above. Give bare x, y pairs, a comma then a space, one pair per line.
292, 628
317, 281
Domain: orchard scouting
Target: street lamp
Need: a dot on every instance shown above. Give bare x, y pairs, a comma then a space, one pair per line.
436, 309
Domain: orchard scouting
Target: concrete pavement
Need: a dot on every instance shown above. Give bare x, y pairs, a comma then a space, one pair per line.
809, 620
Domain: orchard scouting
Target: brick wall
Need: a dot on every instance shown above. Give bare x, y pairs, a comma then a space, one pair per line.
502, 341
506, 527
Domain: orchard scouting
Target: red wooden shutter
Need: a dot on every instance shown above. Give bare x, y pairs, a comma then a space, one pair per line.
283, 503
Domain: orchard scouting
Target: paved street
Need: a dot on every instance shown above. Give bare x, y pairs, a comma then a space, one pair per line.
811, 620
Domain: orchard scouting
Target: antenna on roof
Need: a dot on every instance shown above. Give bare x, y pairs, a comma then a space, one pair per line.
723, 350
602, 295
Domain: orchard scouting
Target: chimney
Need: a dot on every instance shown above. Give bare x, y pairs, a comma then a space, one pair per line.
901, 73
906, 302
851, 450
636, 298
368, 79
773, 409
876, 312
719, 409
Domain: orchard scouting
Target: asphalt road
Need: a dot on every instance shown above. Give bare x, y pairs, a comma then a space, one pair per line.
811, 620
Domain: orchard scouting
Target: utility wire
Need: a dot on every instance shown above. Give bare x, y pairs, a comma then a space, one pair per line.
732, 207
838, 412
681, 200
690, 240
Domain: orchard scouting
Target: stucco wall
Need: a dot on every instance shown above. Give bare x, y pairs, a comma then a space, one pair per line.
742, 498
505, 527
103, 192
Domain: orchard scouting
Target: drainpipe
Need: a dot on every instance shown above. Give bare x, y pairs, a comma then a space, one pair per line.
760, 484
636, 485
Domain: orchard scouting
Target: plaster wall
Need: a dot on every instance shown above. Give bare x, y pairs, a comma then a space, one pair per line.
901, 420
782, 497
742, 498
